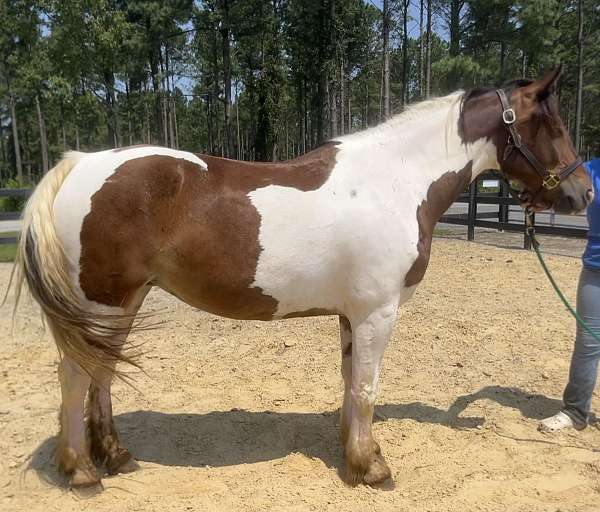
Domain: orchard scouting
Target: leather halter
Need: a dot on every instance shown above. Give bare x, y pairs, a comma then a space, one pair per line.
550, 180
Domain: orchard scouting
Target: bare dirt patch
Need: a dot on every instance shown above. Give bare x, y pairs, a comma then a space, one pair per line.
243, 416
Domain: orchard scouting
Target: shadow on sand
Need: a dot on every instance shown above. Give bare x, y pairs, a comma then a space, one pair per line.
245, 437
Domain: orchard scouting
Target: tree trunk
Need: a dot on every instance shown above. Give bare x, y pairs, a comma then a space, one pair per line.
237, 122
43, 139
386, 59
333, 85
428, 52
349, 94
579, 106
213, 99
405, 52
502, 61
287, 137
225, 36
304, 119
365, 117
209, 122
169, 100
3, 152
163, 102
174, 111
15, 132
62, 127
421, 52
145, 125
342, 100
114, 138
333, 132
455, 8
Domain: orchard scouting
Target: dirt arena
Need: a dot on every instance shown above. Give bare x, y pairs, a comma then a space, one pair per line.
244, 416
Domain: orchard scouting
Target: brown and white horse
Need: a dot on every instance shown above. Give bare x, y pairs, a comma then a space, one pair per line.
344, 230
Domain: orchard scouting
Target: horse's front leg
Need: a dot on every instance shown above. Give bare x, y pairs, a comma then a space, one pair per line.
370, 335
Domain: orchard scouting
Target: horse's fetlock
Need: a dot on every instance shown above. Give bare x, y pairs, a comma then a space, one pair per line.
358, 459
66, 459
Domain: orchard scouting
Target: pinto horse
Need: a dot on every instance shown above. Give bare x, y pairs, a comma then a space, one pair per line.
344, 230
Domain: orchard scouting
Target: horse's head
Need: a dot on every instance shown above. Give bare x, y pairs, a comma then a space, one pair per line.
535, 148
533, 145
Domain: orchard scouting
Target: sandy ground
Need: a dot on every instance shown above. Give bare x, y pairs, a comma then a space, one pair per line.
244, 416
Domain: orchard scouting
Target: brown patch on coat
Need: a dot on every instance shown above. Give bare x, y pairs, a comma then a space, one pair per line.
440, 195
311, 312
163, 221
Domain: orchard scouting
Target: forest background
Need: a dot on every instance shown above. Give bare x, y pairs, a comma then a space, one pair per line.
267, 79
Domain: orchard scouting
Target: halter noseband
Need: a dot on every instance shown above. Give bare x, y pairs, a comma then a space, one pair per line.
549, 180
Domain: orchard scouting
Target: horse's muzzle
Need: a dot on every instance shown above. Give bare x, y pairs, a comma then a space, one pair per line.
573, 198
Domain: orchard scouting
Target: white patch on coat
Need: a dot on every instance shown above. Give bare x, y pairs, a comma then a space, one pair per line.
74, 199
347, 246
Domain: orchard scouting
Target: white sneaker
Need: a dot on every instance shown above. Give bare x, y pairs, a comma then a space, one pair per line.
558, 422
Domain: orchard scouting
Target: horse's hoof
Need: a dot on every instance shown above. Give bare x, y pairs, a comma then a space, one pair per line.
378, 471
85, 482
130, 466
372, 471
125, 463
88, 491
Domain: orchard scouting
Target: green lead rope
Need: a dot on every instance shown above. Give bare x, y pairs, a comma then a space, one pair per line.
536, 246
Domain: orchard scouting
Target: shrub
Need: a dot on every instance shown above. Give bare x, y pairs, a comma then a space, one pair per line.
12, 204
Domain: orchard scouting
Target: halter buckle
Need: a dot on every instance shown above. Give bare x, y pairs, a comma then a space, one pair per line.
551, 181
509, 116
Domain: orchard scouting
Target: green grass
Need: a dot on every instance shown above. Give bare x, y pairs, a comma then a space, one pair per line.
442, 231
8, 251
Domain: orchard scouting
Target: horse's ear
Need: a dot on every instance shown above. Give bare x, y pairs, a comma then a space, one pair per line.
546, 85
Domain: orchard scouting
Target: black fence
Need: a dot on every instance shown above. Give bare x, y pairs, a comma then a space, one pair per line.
502, 222
16, 215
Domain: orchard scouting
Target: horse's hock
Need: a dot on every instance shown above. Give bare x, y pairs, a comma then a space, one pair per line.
244, 415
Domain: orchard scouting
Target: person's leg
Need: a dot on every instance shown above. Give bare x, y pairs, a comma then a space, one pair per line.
577, 396
584, 363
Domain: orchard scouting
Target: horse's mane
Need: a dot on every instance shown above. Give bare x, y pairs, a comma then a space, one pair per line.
414, 112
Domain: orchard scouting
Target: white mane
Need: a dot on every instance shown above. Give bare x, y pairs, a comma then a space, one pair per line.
412, 113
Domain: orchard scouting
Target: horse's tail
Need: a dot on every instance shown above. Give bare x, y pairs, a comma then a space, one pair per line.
42, 264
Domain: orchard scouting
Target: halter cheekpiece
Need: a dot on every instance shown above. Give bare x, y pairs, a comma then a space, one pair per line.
550, 180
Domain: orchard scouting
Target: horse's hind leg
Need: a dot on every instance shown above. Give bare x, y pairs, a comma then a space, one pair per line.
105, 445
346, 346
72, 454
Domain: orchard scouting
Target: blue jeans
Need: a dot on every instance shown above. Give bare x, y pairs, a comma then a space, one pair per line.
577, 396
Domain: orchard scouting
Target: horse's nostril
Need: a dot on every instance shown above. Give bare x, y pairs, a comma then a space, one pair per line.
589, 195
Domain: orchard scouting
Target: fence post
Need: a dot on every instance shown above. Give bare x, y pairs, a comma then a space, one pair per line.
526, 241
472, 215
503, 209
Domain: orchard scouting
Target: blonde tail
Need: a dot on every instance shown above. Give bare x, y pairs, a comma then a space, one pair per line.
41, 263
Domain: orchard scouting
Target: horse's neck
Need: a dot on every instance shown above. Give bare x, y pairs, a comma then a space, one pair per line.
423, 144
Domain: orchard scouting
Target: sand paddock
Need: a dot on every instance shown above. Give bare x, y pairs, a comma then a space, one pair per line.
243, 416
